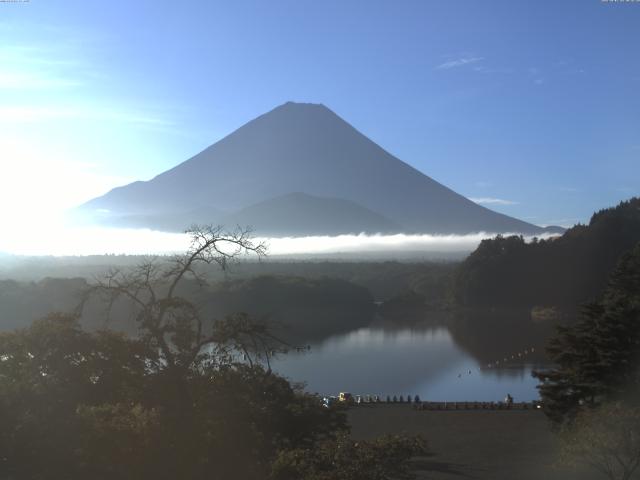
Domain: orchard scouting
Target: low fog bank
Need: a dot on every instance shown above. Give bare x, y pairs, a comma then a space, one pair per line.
113, 241
395, 246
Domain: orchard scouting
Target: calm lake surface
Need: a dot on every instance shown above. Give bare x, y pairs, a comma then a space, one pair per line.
424, 361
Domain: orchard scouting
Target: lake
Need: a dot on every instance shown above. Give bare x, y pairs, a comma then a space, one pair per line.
424, 361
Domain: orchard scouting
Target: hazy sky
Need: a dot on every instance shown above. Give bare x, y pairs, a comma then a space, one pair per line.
532, 107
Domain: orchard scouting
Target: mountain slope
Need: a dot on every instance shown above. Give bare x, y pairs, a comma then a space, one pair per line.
305, 148
301, 214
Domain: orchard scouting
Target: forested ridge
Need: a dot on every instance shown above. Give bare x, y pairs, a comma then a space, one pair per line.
301, 308
564, 271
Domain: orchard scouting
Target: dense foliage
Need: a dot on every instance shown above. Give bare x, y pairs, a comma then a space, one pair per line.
98, 405
185, 398
606, 439
346, 459
564, 271
305, 308
598, 358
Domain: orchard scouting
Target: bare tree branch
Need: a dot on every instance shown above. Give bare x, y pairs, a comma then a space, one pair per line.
173, 324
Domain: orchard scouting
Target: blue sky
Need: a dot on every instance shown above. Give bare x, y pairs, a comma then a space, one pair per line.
532, 108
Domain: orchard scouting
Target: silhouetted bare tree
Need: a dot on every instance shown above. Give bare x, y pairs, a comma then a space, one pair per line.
172, 323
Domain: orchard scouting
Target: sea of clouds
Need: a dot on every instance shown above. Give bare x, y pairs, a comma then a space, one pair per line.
101, 241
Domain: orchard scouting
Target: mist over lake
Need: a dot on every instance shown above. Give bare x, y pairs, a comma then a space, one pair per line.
79, 241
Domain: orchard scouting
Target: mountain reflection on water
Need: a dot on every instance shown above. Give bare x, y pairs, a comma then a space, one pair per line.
435, 362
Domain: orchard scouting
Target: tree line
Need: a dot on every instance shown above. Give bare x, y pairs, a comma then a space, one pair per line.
565, 271
185, 398
304, 309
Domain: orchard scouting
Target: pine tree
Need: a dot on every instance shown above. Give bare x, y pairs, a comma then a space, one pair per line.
597, 358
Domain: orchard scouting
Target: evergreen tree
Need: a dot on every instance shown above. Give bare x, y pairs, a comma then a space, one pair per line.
597, 358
